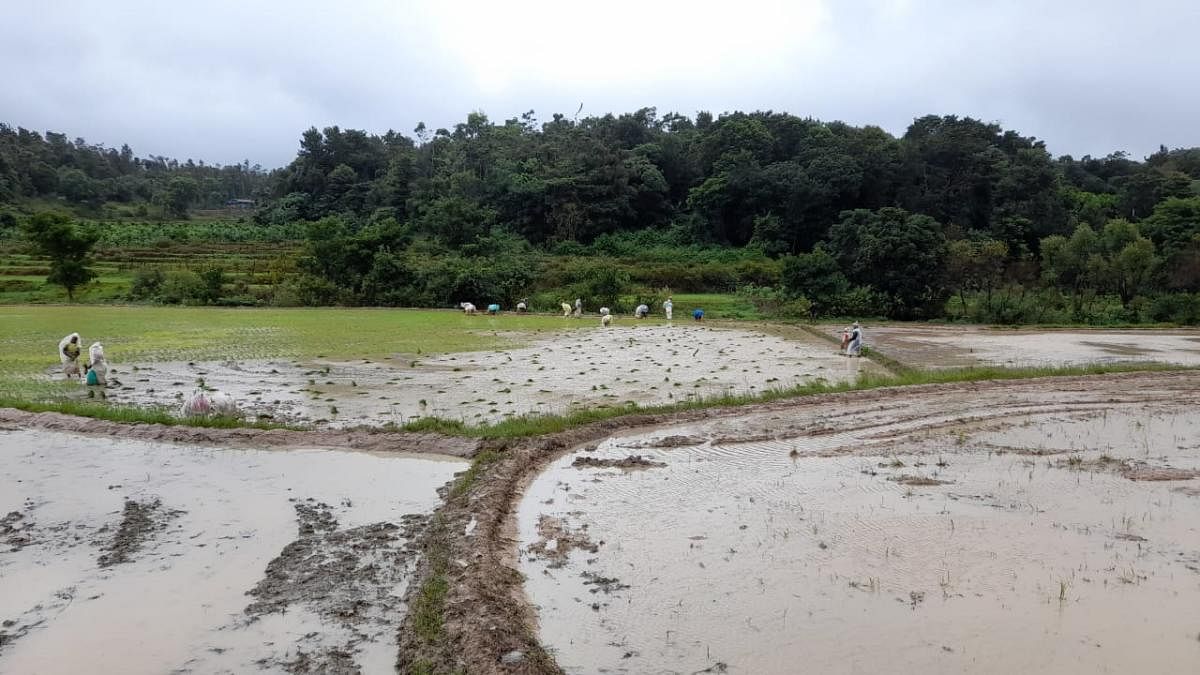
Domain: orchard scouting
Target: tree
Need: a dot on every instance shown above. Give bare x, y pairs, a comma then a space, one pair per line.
1065, 262
1129, 260
898, 253
975, 266
815, 276
69, 248
1174, 224
178, 195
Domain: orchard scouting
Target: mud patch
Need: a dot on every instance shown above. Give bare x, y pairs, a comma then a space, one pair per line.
176, 602
918, 481
557, 540
139, 522
631, 463
1135, 470
16, 531
1159, 473
674, 441
347, 577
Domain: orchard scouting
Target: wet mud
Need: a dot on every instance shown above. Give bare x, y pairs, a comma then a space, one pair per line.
945, 523
350, 578
960, 346
585, 369
630, 462
369, 440
151, 558
491, 617
139, 522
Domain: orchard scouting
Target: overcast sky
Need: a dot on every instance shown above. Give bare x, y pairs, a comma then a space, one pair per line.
226, 80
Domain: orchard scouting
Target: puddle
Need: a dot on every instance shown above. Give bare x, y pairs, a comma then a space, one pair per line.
605, 367
229, 560
946, 346
981, 531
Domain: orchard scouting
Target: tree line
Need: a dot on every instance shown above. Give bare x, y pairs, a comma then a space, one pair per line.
955, 217
954, 207
84, 176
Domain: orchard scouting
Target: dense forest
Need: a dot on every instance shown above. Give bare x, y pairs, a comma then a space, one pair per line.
955, 218
51, 168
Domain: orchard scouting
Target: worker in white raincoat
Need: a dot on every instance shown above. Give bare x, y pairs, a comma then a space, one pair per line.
68, 350
854, 347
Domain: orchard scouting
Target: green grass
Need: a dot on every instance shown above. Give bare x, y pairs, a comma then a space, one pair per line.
535, 425
466, 481
129, 414
715, 306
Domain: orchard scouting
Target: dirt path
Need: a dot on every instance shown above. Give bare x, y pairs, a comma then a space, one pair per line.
489, 624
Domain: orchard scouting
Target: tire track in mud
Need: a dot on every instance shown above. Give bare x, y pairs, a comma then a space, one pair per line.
367, 440
488, 624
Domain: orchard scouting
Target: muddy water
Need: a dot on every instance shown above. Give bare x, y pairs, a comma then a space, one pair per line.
90, 584
605, 367
944, 346
993, 532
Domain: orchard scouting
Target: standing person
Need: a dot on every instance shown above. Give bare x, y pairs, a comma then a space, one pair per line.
68, 352
578, 308
668, 306
845, 339
854, 347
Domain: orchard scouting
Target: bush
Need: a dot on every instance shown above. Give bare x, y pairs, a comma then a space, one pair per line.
1180, 308
214, 281
182, 287
147, 283
602, 286
860, 301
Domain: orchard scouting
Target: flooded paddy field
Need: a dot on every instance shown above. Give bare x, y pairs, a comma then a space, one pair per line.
925, 346
1048, 526
129, 556
650, 364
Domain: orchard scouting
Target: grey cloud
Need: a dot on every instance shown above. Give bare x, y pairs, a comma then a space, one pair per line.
226, 81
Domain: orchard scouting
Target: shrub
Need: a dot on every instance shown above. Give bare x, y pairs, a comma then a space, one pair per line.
1181, 308
147, 283
182, 287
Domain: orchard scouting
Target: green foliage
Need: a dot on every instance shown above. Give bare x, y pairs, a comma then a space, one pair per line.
815, 276
902, 255
91, 177
601, 285
1175, 223
498, 210
147, 283
69, 249
183, 287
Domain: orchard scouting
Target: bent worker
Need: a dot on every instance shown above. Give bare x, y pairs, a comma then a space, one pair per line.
668, 306
697, 314
854, 347
641, 311
493, 308
68, 352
